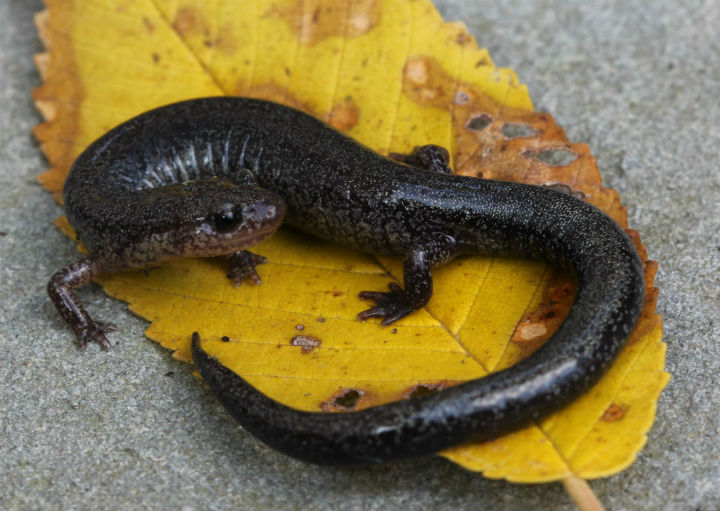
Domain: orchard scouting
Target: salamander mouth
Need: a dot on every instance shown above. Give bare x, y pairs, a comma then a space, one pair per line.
205, 243
256, 237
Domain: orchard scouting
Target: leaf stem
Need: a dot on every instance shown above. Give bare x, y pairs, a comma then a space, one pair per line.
582, 494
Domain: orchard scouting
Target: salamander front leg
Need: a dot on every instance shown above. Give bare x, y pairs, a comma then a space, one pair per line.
69, 306
241, 266
428, 157
435, 248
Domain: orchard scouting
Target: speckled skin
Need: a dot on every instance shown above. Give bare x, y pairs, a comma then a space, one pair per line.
339, 190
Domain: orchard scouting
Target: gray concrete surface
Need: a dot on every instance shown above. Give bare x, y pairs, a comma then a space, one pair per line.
638, 81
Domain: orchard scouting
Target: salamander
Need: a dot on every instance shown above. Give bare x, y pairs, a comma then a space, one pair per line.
165, 183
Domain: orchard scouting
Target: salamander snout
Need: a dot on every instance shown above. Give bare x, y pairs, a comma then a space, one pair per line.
264, 211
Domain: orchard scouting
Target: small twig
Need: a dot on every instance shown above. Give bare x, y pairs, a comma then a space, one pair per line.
582, 494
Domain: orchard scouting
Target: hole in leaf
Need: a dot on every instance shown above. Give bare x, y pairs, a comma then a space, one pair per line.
423, 389
511, 130
348, 399
552, 157
478, 122
564, 188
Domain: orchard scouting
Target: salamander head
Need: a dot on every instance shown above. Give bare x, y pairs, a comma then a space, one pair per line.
203, 218
234, 218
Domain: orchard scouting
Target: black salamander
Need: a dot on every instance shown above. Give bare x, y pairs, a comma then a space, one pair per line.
216, 175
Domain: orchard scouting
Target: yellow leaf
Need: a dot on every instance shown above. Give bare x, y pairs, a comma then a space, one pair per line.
392, 74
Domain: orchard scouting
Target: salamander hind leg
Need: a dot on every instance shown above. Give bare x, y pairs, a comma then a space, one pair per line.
70, 308
390, 306
433, 248
427, 157
241, 266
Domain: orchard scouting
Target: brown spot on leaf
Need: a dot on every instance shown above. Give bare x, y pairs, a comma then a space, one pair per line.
189, 21
423, 85
272, 92
537, 326
528, 331
307, 343
344, 115
560, 292
225, 40
461, 97
416, 72
614, 413
463, 38
364, 15
149, 25
344, 400
313, 21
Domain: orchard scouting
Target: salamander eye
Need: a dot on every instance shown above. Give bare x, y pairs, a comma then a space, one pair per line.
226, 218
